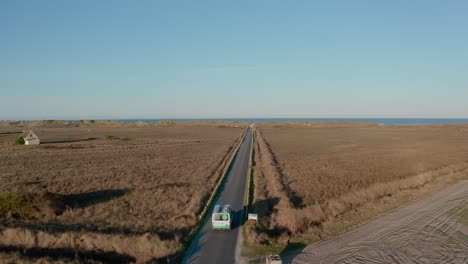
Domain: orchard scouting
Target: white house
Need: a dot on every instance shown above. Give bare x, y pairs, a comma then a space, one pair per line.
31, 139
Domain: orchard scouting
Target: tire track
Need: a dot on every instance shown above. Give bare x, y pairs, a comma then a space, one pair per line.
430, 230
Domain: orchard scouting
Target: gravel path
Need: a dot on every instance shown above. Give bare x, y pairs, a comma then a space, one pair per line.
430, 230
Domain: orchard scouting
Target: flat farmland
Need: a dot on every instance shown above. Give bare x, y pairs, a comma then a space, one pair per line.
132, 190
314, 180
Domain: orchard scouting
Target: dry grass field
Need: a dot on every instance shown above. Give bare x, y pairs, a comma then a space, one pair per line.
314, 180
108, 190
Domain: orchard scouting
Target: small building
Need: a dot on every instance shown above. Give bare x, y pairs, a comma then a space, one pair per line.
252, 217
273, 259
31, 139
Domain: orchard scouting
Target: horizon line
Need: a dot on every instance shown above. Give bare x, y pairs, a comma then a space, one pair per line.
227, 118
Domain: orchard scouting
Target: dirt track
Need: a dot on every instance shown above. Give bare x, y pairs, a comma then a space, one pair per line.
430, 230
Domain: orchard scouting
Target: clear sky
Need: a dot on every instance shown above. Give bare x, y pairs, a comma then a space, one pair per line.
214, 59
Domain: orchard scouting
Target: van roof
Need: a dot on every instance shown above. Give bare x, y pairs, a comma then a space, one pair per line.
217, 208
227, 208
222, 208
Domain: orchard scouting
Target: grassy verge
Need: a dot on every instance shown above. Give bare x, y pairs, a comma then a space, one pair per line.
248, 196
249, 192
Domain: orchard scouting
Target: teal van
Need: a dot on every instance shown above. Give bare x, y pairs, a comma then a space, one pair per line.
222, 217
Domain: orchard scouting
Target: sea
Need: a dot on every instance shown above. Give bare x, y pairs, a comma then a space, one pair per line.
383, 121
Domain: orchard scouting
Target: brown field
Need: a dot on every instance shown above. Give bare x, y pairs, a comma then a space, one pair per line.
108, 190
314, 180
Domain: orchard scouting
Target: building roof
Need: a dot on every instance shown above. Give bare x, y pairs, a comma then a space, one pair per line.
30, 135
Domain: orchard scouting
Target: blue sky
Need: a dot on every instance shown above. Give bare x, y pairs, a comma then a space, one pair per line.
215, 59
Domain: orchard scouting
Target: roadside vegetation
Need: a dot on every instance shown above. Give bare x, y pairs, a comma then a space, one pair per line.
19, 141
314, 180
15, 205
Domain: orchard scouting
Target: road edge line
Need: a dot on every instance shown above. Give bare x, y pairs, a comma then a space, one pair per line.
247, 193
249, 177
214, 194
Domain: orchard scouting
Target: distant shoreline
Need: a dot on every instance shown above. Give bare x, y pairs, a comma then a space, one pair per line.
383, 121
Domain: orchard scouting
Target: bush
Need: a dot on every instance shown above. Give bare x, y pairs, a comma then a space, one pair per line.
15, 204
110, 137
31, 205
19, 141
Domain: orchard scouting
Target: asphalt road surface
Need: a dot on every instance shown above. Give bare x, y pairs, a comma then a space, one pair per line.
210, 246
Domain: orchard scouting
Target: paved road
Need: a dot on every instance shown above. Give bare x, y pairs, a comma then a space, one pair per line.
218, 246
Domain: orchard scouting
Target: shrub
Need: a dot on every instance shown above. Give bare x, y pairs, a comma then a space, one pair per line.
14, 204
19, 141
110, 137
31, 205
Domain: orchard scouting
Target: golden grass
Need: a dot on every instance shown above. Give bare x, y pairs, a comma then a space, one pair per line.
150, 188
116, 124
310, 177
139, 247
